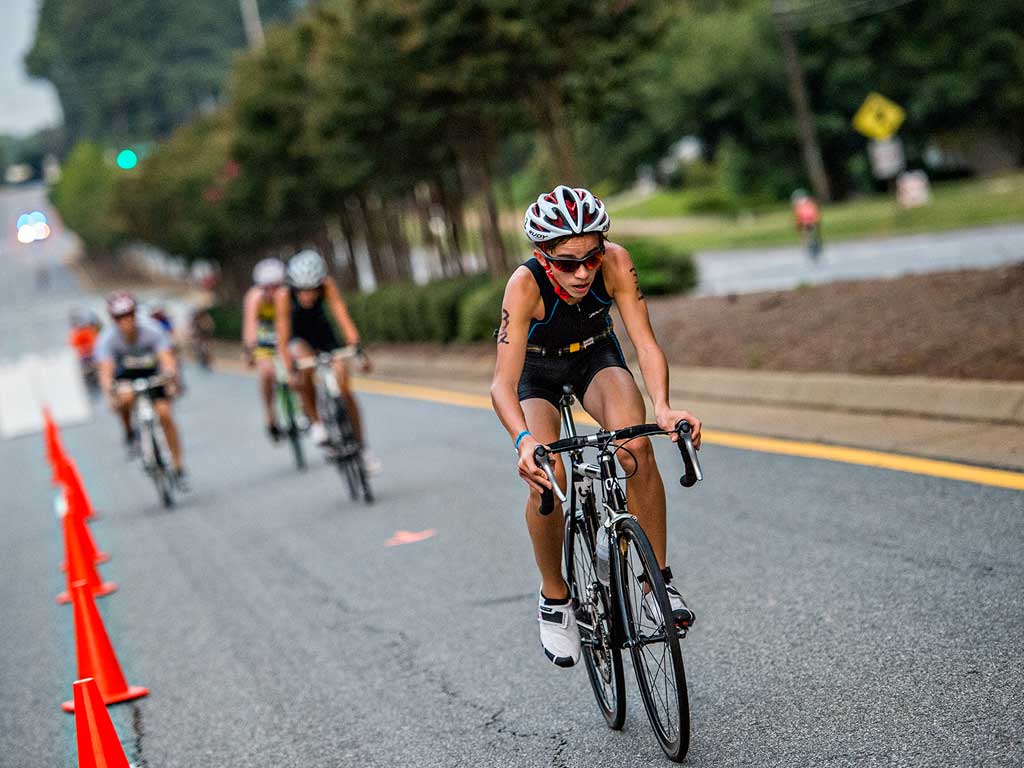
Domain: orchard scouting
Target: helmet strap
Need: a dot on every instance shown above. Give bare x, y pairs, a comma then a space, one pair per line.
560, 292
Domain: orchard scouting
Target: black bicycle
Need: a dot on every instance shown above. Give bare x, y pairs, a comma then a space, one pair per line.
344, 448
617, 587
152, 443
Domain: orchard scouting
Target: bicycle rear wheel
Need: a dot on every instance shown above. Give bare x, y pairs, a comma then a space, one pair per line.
591, 601
654, 645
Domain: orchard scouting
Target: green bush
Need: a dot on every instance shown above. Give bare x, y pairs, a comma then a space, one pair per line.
480, 312
661, 268
227, 317
468, 309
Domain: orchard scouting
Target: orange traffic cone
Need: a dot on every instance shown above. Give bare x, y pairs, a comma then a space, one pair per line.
84, 535
81, 566
54, 450
96, 656
98, 745
77, 498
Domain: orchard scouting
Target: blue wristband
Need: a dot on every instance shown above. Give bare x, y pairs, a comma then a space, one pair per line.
519, 438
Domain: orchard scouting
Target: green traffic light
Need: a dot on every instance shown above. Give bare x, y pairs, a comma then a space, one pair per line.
127, 159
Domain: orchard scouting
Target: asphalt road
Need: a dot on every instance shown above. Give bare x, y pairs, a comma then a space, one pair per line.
847, 615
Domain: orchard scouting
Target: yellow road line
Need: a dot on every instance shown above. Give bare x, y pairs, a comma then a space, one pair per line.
914, 465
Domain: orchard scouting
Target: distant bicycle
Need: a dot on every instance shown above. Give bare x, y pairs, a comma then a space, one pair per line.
294, 423
617, 588
90, 376
151, 441
344, 449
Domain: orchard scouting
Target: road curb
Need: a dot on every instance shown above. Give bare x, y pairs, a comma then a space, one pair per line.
995, 402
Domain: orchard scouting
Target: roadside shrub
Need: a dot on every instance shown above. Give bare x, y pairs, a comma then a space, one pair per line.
662, 269
227, 318
439, 306
480, 312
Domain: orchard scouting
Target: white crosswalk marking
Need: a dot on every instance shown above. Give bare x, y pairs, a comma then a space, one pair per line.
27, 385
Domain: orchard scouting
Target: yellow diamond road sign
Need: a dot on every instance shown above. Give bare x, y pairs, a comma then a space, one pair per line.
878, 118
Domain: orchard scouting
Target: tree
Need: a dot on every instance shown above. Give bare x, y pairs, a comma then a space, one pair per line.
133, 70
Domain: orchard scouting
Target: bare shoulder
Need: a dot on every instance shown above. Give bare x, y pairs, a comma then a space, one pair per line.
522, 298
619, 271
521, 286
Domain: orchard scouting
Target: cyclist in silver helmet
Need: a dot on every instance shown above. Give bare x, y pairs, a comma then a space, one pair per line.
303, 312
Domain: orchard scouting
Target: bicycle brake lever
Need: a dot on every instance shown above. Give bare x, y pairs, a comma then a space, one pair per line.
547, 496
691, 464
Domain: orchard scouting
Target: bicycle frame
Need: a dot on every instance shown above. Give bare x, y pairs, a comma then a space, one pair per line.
613, 504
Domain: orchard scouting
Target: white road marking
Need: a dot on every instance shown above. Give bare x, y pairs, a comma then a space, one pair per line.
27, 385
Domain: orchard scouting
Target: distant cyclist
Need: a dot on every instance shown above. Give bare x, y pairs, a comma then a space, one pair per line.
555, 330
85, 330
807, 216
259, 333
136, 347
304, 310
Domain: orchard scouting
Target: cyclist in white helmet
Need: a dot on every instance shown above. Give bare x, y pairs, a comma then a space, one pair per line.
304, 328
556, 329
259, 333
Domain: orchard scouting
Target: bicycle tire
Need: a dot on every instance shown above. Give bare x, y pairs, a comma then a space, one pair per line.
364, 479
351, 477
294, 436
160, 475
604, 667
350, 454
665, 696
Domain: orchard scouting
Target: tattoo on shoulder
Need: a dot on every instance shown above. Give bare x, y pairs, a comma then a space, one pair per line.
636, 282
503, 330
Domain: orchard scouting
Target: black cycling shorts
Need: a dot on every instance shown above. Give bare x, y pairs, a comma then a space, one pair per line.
320, 337
544, 375
128, 375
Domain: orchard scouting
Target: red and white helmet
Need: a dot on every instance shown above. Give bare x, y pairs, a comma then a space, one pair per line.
120, 303
565, 211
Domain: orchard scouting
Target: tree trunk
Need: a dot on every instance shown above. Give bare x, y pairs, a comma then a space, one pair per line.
399, 245
801, 105
549, 111
478, 168
451, 203
348, 231
381, 271
422, 202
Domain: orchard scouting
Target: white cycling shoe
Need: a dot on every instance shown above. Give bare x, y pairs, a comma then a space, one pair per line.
558, 632
371, 463
318, 433
681, 614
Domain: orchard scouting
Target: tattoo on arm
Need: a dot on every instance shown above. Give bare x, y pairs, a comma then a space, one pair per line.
503, 330
636, 282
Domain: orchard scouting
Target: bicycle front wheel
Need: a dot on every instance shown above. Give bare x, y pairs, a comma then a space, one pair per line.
601, 653
161, 474
653, 642
294, 434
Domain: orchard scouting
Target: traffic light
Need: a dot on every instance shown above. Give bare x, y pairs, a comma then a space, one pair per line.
127, 159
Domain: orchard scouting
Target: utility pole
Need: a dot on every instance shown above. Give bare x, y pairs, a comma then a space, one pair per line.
252, 23
804, 117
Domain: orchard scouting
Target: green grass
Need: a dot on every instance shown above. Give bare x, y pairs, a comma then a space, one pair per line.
955, 205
